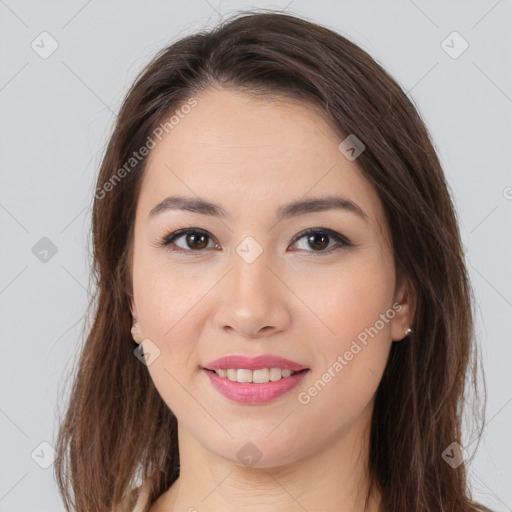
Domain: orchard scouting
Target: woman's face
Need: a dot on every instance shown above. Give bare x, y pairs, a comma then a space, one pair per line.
243, 283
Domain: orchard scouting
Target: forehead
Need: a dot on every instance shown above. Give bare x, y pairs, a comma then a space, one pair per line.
247, 152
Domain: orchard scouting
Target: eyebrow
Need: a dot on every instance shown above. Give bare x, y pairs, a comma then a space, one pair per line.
295, 208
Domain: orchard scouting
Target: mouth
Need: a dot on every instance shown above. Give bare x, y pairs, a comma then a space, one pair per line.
256, 380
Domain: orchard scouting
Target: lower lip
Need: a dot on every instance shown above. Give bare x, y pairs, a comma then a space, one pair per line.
249, 393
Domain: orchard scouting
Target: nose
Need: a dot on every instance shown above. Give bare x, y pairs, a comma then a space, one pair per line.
253, 302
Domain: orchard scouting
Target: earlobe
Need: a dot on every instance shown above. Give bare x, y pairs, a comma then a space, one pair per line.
137, 335
401, 323
135, 329
400, 328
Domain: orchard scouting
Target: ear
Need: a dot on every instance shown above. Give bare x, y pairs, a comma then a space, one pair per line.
133, 309
404, 295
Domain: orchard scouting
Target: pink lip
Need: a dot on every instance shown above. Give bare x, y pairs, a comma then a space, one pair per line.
254, 363
249, 393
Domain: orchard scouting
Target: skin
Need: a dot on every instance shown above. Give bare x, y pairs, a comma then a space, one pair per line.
252, 155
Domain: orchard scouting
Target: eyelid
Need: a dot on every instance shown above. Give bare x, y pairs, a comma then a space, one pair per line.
333, 234
169, 239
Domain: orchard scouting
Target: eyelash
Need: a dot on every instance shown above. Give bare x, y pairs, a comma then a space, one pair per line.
169, 239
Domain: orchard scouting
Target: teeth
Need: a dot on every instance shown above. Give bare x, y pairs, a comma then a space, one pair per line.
259, 376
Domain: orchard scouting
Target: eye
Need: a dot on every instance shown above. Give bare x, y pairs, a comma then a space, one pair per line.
318, 239
194, 240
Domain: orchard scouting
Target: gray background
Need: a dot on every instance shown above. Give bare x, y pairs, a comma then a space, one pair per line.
58, 112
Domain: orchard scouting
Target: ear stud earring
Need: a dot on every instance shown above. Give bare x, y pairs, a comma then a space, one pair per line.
408, 331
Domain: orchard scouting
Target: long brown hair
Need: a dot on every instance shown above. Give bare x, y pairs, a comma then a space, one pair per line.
117, 430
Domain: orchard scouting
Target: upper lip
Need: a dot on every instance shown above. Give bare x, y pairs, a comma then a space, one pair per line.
254, 363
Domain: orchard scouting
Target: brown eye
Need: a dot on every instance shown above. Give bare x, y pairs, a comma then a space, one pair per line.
318, 241
321, 241
194, 240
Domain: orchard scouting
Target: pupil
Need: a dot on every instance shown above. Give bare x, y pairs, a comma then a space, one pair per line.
191, 240
314, 240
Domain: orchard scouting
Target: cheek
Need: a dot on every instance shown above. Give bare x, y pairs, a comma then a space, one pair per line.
351, 296
165, 297
353, 317
350, 362
176, 388
165, 304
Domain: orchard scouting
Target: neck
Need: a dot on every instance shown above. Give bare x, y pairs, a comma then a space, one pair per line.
333, 478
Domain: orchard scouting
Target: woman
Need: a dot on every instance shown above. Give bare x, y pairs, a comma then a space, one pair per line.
273, 229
